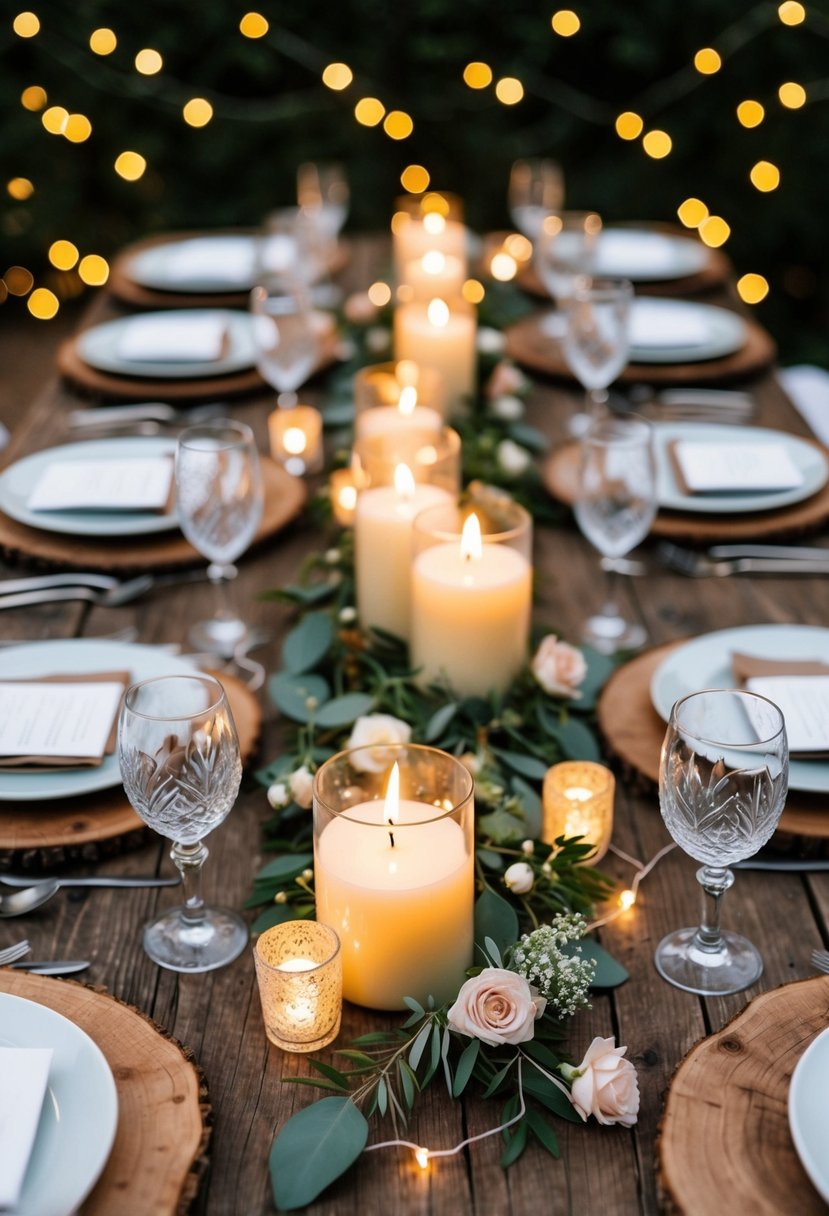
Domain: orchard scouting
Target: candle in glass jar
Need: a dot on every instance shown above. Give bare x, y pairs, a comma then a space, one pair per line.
470, 613
405, 415
414, 238
395, 879
296, 438
435, 274
577, 799
382, 549
299, 973
439, 337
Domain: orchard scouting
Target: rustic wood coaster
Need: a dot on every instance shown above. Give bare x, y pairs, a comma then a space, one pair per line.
58, 830
633, 732
529, 345
560, 475
284, 498
724, 1142
164, 1117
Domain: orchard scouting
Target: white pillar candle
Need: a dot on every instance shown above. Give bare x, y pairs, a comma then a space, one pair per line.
470, 613
439, 337
382, 549
397, 885
434, 274
407, 415
415, 237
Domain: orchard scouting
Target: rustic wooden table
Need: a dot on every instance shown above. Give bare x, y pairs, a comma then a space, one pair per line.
612, 1171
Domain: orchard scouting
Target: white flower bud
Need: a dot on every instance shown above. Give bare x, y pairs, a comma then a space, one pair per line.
528, 847
278, 795
519, 878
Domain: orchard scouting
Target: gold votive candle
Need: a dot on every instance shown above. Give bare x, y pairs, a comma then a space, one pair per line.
577, 798
296, 438
300, 974
343, 486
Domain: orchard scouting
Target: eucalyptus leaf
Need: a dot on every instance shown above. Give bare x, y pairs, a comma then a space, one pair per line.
530, 805
285, 868
490, 859
439, 721
307, 642
527, 766
419, 1045
577, 741
415, 1006
276, 914
313, 594
382, 1096
529, 437
600, 668
542, 1131
342, 711
291, 694
495, 918
548, 1094
338, 413
609, 972
515, 1146
407, 1083
465, 1066
501, 826
315, 1146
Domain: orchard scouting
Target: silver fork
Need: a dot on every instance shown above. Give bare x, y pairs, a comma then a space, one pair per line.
147, 411
699, 565
12, 953
820, 960
111, 597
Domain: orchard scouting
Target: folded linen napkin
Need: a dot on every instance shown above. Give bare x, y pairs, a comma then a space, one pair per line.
139, 484
730, 468
800, 688
808, 388
60, 721
173, 338
227, 259
25, 1073
654, 325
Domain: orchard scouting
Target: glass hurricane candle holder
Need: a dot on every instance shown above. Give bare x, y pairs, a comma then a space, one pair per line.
440, 333
300, 976
394, 870
296, 439
398, 396
427, 223
577, 799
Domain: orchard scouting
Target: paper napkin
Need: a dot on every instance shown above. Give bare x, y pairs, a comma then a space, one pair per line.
59, 721
173, 338
800, 689
139, 484
25, 1073
215, 259
732, 468
808, 388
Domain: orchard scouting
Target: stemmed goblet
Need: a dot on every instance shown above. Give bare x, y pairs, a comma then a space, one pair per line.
563, 253
180, 765
219, 500
286, 335
322, 194
536, 188
614, 509
723, 777
596, 340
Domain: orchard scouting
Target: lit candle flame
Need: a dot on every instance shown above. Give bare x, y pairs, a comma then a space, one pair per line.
391, 804
404, 482
433, 262
348, 498
294, 440
434, 223
438, 313
471, 544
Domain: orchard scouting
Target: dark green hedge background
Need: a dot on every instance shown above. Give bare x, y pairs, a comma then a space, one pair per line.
272, 111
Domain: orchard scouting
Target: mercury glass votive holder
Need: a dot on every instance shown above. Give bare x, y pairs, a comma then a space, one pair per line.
296, 439
577, 800
300, 975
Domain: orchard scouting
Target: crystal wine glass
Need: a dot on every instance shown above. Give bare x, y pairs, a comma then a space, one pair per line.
596, 340
615, 508
564, 252
322, 194
219, 498
723, 777
180, 765
286, 336
536, 188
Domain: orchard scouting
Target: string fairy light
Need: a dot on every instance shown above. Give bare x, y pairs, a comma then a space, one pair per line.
627, 897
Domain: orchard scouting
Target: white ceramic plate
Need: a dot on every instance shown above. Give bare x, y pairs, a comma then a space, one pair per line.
705, 662
80, 1109
78, 655
98, 347
809, 1111
18, 481
680, 331
809, 460
645, 256
197, 264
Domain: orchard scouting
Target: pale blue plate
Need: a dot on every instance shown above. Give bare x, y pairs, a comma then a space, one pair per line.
809, 1113
98, 347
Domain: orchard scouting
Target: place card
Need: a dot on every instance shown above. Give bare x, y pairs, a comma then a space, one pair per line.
804, 703
733, 468
61, 721
173, 338
138, 484
25, 1074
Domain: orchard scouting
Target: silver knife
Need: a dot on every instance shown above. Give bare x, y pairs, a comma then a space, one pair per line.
53, 966
785, 865
95, 880
44, 582
785, 552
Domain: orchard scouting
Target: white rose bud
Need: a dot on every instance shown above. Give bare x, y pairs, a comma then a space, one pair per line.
490, 341
348, 615
507, 408
375, 733
301, 782
278, 795
512, 458
519, 878
559, 667
528, 847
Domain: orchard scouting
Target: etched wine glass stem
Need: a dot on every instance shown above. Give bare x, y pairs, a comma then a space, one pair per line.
221, 577
714, 881
596, 403
610, 607
189, 859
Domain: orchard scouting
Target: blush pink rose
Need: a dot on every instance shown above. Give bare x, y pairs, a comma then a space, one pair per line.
559, 667
505, 381
605, 1085
497, 1007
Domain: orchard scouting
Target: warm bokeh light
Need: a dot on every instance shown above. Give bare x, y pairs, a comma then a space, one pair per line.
791, 13
473, 291
94, 270
509, 90
337, 76
130, 166
398, 124
752, 288
78, 128
765, 176
792, 95
714, 231
627, 899
434, 223
692, 212
657, 143
565, 23
434, 203
148, 62
750, 113
422, 1157
254, 25
369, 111
503, 267
477, 75
63, 255
517, 245
55, 119
380, 294
707, 61
103, 41
26, 25
18, 280
629, 125
43, 304
415, 179
34, 98
20, 188
197, 112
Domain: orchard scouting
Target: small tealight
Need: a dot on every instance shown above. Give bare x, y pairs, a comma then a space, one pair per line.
296, 439
577, 800
299, 971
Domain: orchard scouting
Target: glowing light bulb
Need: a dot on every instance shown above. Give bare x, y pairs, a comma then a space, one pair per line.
253, 25
422, 1157
294, 441
473, 291
379, 294
438, 313
398, 125
750, 113
627, 899
657, 143
503, 267
765, 176
752, 288
707, 61
792, 95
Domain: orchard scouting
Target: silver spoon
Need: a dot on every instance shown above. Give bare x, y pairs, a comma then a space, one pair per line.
26, 899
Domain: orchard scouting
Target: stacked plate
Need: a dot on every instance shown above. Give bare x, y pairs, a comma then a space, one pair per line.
100, 347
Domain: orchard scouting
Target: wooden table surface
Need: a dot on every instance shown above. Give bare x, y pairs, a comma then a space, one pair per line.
612, 1171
